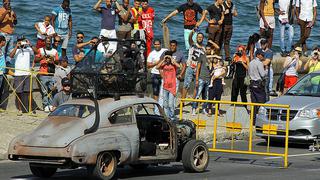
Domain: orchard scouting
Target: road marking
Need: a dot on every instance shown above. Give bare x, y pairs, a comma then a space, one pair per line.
294, 155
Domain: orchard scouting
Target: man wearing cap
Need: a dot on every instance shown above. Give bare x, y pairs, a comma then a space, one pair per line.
62, 71
63, 96
257, 74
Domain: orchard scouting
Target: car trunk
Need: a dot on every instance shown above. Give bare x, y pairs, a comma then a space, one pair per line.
56, 132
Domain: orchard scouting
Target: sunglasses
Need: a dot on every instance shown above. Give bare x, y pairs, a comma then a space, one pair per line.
57, 40
79, 37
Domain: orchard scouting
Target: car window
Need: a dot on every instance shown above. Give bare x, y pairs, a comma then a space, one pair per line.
307, 86
147, 109
121, 116
73, 110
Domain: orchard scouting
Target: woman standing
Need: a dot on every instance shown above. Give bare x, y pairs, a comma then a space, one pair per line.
292, 65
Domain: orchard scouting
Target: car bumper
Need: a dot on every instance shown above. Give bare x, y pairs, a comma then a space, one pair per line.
300, 129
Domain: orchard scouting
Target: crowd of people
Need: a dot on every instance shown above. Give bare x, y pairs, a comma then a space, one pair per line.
205, 64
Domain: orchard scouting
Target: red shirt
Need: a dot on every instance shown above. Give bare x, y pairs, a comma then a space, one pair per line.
169, 78
147, 19
43, 63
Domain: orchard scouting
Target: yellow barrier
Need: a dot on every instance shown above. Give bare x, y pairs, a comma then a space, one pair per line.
33, 75
235, 127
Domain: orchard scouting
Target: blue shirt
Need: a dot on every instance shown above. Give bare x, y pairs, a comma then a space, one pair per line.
62, 20
2, 63
108, 21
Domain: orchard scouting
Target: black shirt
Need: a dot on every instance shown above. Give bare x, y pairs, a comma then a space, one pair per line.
190, 14
227, 14
215, 12
240, 71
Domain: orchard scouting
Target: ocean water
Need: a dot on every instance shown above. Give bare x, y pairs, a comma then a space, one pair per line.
88, 21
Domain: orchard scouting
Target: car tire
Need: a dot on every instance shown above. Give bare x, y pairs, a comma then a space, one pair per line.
139, 166
40, 171
195, 156
105, 167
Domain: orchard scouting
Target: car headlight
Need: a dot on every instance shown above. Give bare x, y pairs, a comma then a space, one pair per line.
310, 113
262, 111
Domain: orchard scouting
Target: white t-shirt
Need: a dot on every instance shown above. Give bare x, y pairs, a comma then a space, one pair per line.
284, 6
291, 71
49, 30
153, 57
306, 10
22, 64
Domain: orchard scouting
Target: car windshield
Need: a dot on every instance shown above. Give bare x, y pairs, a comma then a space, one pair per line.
309, 85
73, 110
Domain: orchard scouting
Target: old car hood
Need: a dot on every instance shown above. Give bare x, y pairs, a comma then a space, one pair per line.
55, 132
297, 102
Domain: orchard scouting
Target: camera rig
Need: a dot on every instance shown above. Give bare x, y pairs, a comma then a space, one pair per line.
123, 72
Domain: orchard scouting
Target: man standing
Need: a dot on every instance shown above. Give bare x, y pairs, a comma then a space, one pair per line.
64, 95
286, 20
257, 74
306, 14
62, 70
267, 20
153, 60
229, 12
8, 20
216, 13
179, 58
108, 24
268, 57
48, 58
23, 53
78, 53
124, 15
4, 92
147, 20
190, 12
62, 22
44, 30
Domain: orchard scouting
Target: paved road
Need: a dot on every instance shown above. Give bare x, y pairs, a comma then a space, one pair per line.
302, 165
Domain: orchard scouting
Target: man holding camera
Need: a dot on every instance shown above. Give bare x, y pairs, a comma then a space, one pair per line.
23, 54
48, 58
168, 70
8, 20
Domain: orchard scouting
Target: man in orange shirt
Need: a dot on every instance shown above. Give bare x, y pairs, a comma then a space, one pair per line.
8, 20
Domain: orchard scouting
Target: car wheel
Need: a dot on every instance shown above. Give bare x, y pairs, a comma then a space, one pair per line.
139, 166
40, 171
195, 156
105, 167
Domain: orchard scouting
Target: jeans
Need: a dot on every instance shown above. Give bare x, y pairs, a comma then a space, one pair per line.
8, 47
203, 88
47, 84
286, 28
186, 37
188, 77
271, 79
168, 104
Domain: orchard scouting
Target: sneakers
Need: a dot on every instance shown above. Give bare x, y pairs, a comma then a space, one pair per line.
193, 112
204, 111
19, 113
48, 109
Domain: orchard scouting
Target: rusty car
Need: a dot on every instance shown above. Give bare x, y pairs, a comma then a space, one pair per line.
121, 131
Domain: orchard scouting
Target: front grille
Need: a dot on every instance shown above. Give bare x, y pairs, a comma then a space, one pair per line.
280, 114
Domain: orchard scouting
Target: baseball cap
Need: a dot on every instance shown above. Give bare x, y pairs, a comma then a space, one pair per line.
65, 81
63, 58
260, 51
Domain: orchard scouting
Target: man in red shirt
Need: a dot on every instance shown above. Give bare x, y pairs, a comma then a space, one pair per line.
147, 19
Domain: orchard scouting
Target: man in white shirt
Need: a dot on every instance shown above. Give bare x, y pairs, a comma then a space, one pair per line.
44, 30
23, 53
286, 21
153, 60
306, 14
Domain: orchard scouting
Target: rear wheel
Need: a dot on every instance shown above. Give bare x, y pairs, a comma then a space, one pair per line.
40, 171
105, 167
195, 156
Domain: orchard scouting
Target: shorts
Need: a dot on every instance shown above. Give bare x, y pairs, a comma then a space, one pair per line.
289, 81
271, 21
189, 77
156, 84
65, 41
21, 84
